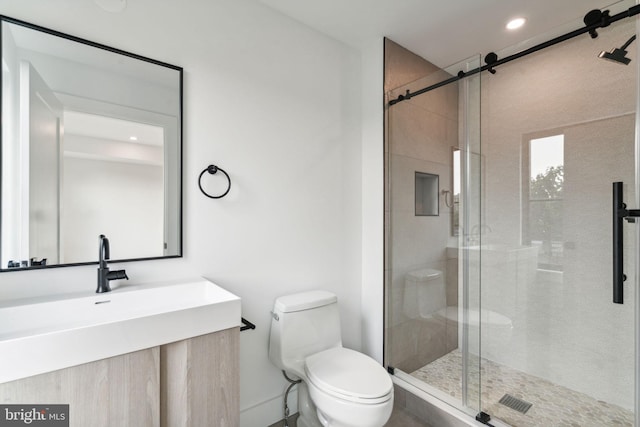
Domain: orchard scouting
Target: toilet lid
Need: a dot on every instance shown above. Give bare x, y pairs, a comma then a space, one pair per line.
349, 375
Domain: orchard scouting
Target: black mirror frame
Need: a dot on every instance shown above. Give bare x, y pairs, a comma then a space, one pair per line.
6, 19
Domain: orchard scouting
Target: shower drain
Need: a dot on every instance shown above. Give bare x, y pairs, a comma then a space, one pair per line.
515, 403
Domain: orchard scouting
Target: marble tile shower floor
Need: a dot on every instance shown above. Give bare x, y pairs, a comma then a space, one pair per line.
553, 405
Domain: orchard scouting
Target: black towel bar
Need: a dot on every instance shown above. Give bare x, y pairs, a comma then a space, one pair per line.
246, 325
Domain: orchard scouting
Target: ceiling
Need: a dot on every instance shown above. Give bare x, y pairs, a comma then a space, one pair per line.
443, 32
112, 129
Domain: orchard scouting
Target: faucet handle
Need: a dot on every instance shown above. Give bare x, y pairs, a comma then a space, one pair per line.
117, 274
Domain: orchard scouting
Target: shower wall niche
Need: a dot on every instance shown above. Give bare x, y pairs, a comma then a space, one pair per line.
425, 132
427, 200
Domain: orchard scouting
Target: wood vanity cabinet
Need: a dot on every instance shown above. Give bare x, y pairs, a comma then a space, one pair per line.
189, 383
200, 381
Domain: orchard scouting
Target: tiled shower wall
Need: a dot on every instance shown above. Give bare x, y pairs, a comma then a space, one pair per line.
421, 134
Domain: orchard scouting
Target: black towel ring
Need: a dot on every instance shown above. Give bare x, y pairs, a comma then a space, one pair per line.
212, 169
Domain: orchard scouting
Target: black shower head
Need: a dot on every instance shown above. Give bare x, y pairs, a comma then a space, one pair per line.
618, 54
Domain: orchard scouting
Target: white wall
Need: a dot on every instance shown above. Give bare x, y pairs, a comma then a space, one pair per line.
277, 105
373, 200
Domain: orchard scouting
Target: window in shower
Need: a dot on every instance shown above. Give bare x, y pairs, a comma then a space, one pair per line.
455, 198
543, 210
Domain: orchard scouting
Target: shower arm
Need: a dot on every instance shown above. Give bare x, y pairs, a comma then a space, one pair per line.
626, 45
620, 213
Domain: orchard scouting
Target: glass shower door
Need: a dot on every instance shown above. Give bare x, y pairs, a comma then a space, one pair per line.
433, 162
558, 129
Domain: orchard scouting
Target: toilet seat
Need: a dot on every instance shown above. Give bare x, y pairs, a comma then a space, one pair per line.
349, 375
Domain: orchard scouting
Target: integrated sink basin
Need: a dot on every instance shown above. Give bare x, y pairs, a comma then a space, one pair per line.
43, 335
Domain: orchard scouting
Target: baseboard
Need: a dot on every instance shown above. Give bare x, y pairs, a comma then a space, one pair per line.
268, 412
293, 422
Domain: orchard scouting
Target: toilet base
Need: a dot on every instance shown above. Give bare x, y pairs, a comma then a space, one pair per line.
301, 422
306, 409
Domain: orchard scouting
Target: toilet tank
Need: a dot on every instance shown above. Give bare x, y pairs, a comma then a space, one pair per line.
303, 324
424, 293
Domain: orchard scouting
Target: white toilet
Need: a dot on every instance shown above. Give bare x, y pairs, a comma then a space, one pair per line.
340, 387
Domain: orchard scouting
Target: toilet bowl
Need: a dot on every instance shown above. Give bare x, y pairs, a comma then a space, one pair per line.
340, 387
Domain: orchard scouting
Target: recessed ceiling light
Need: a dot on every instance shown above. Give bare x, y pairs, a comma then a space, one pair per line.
133, 138
516, 23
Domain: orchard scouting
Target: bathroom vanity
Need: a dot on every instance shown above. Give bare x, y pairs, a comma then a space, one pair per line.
171, 362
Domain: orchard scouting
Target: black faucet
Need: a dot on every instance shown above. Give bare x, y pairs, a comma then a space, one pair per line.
104, 275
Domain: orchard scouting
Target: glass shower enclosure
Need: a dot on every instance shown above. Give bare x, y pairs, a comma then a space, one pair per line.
499, 301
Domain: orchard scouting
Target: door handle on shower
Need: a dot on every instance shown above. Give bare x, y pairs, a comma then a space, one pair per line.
620, 213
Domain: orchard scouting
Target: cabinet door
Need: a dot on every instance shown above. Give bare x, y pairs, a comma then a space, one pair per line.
119, 391
201, 382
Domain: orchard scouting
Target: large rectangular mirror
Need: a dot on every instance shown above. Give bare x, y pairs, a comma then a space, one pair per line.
91, 144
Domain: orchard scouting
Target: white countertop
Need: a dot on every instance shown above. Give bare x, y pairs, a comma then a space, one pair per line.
45, 334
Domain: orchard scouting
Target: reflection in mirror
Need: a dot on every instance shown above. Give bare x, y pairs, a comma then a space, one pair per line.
91, 144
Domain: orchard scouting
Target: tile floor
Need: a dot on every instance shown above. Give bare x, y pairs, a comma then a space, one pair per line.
553, 405
399, 418
402, 418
